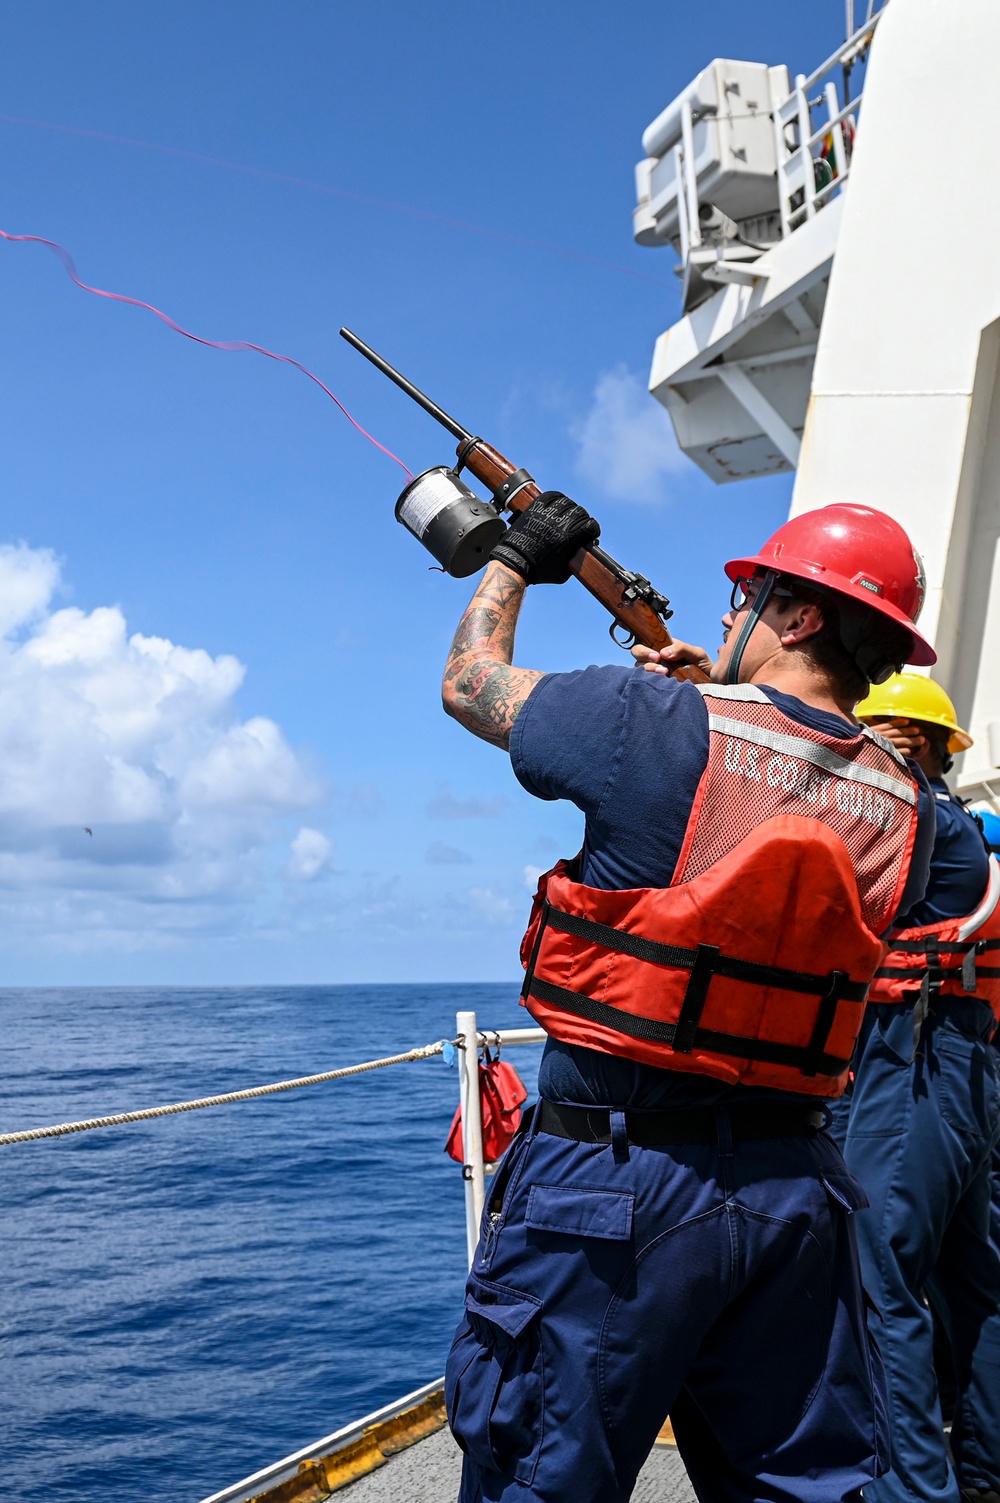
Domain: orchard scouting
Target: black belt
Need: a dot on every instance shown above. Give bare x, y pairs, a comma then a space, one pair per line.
694, 1125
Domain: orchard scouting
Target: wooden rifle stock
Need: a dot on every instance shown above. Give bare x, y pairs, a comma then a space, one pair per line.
635, 616
637, 608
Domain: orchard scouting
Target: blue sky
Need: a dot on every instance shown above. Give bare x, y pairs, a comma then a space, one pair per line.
222, 654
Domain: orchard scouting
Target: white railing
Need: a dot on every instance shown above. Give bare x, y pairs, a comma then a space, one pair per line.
814, 137
815, 165
468, 1044
475, 1170
687, 185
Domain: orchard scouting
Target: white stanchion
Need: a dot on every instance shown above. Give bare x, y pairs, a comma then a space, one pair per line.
472, 1127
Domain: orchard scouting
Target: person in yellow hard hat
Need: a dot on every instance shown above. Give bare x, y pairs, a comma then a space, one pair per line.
919, 1126
914, 699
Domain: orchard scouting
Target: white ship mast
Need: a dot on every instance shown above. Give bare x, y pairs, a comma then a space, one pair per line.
852, 333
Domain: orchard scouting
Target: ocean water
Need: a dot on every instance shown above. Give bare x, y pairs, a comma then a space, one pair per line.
184, 1301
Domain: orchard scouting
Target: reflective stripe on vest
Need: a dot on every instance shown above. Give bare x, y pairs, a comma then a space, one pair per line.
753, 966
944, 959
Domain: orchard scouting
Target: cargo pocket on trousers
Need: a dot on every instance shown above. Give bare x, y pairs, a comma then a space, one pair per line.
845, 1191
577, 1211
494, 1387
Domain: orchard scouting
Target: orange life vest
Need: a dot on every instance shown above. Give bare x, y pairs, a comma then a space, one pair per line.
753, 965
943, 959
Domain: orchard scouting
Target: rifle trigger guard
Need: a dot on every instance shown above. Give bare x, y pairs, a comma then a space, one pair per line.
628, 642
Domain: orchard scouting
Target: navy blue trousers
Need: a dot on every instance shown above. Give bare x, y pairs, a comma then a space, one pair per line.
919, 1131
719, 1284
995, 1187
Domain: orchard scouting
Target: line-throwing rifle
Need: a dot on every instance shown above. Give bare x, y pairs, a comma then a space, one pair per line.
460, 529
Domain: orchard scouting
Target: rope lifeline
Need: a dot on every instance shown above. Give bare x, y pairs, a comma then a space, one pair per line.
31, 1134
69, 266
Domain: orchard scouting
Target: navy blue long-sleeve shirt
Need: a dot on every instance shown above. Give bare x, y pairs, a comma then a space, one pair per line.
959, 865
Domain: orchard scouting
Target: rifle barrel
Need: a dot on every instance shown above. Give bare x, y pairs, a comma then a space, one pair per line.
454, 428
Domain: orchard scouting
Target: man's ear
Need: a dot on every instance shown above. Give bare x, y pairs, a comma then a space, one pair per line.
803, 619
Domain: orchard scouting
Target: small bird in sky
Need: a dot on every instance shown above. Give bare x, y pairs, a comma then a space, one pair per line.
87, 830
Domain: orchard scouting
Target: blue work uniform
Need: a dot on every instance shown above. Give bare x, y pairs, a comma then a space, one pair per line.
615, 1283
995, 1177
991, 829
918, 1131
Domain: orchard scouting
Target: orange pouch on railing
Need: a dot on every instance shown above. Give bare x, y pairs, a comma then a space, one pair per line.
501, 1092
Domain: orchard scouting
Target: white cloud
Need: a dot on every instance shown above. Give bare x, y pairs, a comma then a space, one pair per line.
311, 852
138, 742
249, 767
444, 805
493, 907
531, 876
626, 443
30, 577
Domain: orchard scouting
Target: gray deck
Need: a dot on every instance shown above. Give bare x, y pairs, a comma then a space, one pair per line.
429, 1471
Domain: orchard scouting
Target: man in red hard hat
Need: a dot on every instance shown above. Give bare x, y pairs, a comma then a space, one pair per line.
673, 1231
866, 559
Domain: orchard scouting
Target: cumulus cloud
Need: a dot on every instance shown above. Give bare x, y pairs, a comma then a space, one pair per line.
491, 906
311, 852
124, 765
531, 876
30, 577
445, 805
439, 854
626, 443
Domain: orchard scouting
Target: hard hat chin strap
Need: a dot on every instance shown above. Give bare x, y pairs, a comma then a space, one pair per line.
757, 607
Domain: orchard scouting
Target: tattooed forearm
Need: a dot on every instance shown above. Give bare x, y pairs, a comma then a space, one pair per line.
482, 689
491, 618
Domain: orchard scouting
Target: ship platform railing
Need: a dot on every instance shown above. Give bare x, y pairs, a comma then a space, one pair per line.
815, 164
467, 1045
814, 137
475, 1170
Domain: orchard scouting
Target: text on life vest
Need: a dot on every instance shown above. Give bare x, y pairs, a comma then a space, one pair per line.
808, 784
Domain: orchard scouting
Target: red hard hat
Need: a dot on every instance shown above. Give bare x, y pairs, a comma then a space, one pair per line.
856, 551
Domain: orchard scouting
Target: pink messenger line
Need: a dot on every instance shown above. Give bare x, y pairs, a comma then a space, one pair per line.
69, 267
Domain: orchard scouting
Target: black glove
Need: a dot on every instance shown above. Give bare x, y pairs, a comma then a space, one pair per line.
540, 542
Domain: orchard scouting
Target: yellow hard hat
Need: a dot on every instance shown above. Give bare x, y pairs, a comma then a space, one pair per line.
913, 696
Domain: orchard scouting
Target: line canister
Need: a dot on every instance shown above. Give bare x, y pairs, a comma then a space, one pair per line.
452, 522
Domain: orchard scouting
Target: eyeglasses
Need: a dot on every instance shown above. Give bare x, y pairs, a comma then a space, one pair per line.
745, 591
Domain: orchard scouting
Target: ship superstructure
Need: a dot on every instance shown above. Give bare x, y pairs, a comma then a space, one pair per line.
744, 180
841, 318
